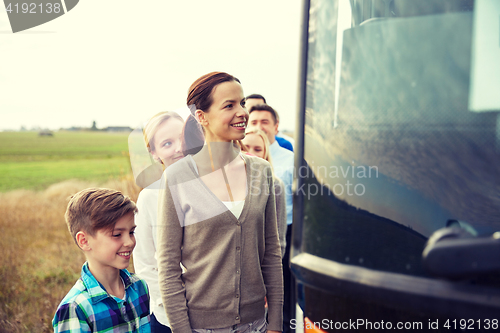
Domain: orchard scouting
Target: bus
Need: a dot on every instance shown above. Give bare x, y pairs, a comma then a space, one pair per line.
397, 167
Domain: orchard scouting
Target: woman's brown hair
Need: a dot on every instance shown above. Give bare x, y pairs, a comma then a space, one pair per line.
200, 98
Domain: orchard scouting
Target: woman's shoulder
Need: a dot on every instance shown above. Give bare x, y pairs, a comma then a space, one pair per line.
153, 186
258, 167
256, 161
180, 171
150, 192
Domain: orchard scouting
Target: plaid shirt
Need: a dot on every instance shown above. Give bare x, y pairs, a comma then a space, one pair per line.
89, 308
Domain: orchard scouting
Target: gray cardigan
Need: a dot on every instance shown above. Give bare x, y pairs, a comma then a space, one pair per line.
279, 190
230, 264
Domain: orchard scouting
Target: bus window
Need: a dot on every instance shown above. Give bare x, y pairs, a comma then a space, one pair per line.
391, 154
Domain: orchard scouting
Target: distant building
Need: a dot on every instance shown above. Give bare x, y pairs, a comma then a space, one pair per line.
95, 129
118, 129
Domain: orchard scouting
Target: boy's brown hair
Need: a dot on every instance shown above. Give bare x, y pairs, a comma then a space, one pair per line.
94, 209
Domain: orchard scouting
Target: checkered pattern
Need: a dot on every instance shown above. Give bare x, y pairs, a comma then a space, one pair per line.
89, 308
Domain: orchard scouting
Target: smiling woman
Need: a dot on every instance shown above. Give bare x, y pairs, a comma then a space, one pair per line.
217, 217
222, 94
227, 115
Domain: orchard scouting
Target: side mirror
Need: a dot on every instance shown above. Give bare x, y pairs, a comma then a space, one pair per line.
456, 253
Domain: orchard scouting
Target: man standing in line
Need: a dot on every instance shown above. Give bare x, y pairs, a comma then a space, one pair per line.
283, 140
264, 117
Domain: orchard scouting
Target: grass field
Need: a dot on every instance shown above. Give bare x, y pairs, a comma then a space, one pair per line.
29, 161
39, 262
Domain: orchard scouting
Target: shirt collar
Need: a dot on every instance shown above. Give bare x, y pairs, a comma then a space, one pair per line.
274, 146
95, 289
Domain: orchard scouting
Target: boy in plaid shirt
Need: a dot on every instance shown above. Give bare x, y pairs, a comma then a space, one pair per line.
106, 298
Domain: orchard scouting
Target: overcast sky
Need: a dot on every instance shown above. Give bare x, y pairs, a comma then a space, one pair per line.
118, 62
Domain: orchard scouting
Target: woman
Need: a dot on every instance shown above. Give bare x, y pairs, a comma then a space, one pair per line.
162, 137
257, 143
218, 219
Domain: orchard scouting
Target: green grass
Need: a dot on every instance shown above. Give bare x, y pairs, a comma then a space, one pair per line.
40, 262
29, 161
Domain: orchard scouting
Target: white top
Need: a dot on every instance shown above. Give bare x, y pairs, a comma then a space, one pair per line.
145, 263
235, 207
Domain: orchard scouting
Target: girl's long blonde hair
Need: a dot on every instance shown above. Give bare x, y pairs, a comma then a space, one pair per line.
256, 131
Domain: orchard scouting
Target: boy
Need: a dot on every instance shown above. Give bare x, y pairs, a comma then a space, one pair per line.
106, 298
